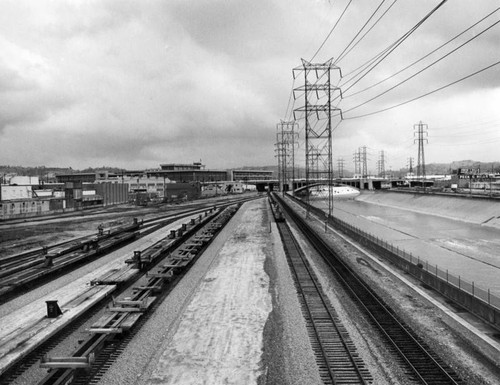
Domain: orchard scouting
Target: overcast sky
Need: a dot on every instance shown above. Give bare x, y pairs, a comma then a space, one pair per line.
134, 84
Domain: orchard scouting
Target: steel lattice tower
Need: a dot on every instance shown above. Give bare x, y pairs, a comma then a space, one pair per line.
410, 165
364, 161
286, 136
278, 149
318, 112
381, 164
340, 166
357, 163
421, 130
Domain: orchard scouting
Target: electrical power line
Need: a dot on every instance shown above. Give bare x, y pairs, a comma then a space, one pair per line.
331, 31
426, 94
366, 33
423, 69
339, 57
423, 57
387, 51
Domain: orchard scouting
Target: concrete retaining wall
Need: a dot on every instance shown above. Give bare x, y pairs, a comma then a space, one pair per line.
468, 209
456, 294
460, 296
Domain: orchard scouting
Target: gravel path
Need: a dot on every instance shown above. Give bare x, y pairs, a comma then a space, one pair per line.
284, 353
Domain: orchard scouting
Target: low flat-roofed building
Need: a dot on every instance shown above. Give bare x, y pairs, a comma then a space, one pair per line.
87, 177
182, 176
182, 166
246, 175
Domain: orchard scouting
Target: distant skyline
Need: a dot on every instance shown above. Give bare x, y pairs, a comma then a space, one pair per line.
135, 84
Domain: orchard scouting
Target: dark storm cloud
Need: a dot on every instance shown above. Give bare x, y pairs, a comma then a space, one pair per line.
24, 101
135, 84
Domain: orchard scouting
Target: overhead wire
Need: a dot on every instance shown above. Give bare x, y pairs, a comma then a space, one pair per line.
425, 56
360, 30
331, 30
426, 94
393, 46
423, 69
366, 33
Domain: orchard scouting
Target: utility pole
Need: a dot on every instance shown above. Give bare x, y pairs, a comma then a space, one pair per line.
421, 130
318, 91
381, 164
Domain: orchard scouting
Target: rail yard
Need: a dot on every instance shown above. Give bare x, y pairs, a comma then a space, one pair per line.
254, 289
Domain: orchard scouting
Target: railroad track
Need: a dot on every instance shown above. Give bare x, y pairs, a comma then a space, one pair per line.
422, 364
164, 263
336, 355
25, 269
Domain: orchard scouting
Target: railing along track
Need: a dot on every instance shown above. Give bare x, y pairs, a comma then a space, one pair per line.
336, 355
424, 364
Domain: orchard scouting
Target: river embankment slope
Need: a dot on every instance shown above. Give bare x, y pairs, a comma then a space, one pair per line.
479, 211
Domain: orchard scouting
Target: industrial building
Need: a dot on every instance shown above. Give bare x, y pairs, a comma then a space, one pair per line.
171, 172
28, 196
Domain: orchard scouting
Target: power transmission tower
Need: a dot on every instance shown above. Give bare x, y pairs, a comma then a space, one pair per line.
357, 163
318, 111
381, 164
286, 139
420, 129
410, 165
278, 153
364, 161
340, 166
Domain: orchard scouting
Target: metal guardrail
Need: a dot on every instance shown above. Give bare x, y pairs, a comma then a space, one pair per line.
433, 270
468, 295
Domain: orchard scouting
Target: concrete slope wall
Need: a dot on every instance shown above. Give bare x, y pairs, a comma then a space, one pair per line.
479, 211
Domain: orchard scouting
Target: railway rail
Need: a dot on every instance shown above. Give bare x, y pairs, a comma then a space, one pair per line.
421, 363
24, 269
151, 273
335, 353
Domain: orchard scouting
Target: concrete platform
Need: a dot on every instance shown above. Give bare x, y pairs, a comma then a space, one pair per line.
26, 327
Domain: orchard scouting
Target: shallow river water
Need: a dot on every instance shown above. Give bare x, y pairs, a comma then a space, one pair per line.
467, 250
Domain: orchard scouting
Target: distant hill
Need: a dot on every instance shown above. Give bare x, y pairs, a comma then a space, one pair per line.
448, 168
431, 168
